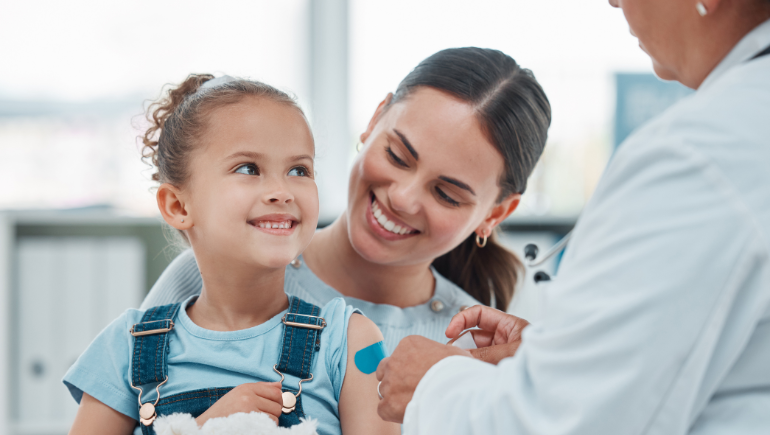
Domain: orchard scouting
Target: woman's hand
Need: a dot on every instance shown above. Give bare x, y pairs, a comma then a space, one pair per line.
500, 334
258, 396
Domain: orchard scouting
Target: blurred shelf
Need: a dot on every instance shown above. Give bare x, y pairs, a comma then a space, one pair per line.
552, 224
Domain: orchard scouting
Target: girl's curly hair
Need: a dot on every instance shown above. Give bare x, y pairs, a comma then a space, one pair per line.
178, 120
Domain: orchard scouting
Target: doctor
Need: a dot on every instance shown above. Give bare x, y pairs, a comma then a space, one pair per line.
659, 321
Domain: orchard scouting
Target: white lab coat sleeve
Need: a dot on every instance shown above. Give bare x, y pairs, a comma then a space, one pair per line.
631, 321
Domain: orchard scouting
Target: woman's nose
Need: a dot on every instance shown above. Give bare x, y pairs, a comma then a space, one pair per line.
405, 197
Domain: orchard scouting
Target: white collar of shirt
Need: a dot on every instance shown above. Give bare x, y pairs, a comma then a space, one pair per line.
751, 44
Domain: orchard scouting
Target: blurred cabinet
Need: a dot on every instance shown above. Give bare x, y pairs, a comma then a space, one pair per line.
68, 290
64, 276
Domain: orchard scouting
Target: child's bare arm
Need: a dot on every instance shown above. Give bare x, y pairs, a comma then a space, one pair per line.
358, 399
96, 418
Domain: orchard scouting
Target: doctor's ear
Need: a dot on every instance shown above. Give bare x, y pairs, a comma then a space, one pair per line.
171, 203
377, 114
499, 213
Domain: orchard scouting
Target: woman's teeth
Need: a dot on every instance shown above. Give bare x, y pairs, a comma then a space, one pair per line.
278, 225
387, 224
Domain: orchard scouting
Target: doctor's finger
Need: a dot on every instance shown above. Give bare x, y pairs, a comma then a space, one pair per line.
486, 318
381, 368
495, 354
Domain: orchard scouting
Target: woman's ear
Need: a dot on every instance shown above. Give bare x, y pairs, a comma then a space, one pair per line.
377, 113
173, 208
498, 214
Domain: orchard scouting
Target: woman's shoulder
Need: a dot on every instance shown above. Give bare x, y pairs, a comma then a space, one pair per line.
300, 281
451, 295
180, 280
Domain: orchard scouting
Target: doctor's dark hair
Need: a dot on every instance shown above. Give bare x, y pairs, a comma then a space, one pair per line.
179, 118
515, 114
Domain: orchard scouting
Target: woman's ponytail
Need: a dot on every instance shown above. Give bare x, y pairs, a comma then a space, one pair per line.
515, 114
482, 272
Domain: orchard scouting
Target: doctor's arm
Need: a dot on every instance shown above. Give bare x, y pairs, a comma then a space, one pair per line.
629, 323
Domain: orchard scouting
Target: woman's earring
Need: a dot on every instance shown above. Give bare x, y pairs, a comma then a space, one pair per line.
359, 145
701, 8
481, 243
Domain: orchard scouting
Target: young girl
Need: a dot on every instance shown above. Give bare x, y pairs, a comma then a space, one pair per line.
235, 159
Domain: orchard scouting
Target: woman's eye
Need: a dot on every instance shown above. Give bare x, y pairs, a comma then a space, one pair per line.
299, 171
395, 158
446, 198
247, 169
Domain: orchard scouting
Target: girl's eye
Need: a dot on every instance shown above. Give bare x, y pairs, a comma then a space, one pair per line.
299, 171
446, 198
247, 169
395, 158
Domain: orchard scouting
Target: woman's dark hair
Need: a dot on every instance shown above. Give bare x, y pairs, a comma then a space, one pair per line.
515, 114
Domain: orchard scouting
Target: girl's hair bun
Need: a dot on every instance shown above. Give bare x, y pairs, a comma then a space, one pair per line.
177, 120
159, 111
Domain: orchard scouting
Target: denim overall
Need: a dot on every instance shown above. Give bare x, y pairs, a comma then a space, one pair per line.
149, 364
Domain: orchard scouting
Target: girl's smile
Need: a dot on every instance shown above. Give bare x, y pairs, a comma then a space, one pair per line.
277, 224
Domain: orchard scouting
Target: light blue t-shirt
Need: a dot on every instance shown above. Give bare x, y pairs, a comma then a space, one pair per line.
199, 358
430, 319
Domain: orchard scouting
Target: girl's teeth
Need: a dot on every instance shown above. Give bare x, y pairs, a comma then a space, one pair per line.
275, 225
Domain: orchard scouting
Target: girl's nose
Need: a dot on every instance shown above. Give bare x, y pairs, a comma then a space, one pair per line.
278, 193
614, 3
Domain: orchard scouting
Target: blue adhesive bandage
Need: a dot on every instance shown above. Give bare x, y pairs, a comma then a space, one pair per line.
368, 358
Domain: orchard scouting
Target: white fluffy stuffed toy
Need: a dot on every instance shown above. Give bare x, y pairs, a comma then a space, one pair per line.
254, 423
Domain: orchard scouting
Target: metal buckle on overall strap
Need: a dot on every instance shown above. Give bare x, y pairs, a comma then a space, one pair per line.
165, 326
147, 412
304, 325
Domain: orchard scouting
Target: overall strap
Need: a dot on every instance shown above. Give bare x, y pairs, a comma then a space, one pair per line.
301, 338
149, 362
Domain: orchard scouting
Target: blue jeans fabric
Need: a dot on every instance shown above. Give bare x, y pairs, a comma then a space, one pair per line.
149, 361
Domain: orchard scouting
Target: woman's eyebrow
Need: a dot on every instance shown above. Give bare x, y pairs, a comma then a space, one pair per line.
457, 183
408, 145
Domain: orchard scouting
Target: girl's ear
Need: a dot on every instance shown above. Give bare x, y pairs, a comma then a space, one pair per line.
173, 208
377, 113
498, 214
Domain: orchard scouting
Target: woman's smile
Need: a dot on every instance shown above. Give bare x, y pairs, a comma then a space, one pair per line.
385, 224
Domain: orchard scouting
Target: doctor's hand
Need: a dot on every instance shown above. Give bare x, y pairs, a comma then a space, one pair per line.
500, 334
400, 373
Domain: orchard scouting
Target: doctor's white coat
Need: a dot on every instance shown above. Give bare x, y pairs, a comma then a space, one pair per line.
659, 320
